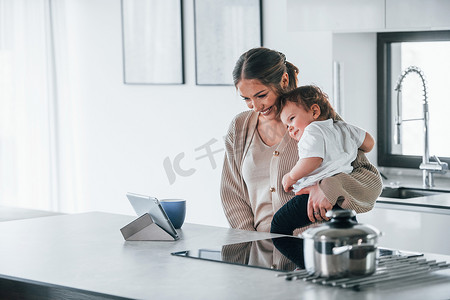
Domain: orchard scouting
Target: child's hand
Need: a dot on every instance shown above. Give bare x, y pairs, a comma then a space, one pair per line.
287, 183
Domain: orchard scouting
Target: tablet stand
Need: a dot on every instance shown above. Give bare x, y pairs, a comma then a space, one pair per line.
144, 229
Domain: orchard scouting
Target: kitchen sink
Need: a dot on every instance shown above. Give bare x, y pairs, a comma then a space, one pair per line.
406, 193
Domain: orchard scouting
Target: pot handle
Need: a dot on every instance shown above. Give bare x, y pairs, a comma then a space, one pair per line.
343, 249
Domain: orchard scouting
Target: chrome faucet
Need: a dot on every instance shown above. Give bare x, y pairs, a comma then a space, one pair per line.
428, 167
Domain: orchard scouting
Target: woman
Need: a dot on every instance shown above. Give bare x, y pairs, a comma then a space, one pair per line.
259, 152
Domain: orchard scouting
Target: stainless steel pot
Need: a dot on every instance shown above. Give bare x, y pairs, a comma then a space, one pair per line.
341, 247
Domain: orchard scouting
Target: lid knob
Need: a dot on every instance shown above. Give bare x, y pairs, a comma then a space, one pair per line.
341, 218
341, 214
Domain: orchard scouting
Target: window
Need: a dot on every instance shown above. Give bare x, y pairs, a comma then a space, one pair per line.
401, 134
27, 134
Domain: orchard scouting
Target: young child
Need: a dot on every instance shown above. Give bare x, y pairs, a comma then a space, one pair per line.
326, 148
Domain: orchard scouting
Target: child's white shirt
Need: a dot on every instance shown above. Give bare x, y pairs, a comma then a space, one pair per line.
336, 142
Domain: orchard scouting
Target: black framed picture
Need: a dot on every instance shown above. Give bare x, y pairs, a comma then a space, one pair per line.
152, 39
224, 29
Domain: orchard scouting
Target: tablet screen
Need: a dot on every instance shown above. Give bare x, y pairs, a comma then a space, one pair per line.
145, 204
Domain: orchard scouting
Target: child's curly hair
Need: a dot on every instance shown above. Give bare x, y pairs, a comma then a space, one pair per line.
306, 96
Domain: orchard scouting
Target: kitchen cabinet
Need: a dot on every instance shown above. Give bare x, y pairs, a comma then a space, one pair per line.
417, 14
417, 231
367, 15
332, 15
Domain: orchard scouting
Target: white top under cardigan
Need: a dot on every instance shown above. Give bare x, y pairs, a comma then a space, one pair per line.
254, 170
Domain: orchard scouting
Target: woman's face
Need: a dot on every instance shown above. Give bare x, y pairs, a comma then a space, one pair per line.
258, 97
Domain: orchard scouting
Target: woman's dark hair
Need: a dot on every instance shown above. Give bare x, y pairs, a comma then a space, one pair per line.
268, 66
306, 96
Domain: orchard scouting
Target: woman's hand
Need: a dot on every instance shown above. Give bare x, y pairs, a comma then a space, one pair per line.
318, 204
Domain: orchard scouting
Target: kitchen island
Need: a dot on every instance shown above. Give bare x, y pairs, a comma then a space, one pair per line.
84, 256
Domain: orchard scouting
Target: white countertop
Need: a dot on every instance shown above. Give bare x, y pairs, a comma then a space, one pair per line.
414, 181
8, 213
439, 203
88, 252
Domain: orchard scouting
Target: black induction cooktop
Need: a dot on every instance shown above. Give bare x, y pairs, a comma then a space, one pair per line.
283, 254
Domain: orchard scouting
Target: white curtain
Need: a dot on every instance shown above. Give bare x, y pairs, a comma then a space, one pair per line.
28, 151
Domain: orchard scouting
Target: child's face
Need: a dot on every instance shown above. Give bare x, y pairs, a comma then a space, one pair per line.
296, 118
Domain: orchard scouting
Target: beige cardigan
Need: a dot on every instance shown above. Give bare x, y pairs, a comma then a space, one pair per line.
357, 190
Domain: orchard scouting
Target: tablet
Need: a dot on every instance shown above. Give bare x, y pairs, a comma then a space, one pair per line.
145, 204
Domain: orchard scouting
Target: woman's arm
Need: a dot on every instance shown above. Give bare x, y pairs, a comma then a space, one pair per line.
235, 202
358, 190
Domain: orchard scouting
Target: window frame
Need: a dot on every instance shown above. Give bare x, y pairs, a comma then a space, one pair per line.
384, 95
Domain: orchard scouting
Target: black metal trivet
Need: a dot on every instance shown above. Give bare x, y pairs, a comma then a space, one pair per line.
389, 268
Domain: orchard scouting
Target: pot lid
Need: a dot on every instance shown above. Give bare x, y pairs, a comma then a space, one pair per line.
341, 227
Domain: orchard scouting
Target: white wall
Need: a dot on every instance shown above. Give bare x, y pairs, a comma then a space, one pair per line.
121, 134
115, 137
357, 56
310, 51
